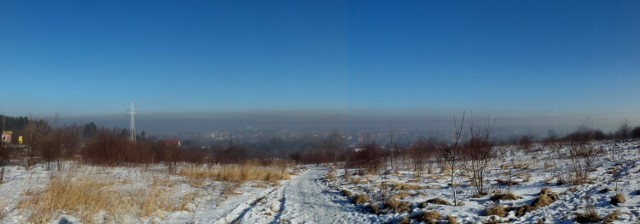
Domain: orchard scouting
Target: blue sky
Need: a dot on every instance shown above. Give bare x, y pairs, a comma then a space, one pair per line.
95, 57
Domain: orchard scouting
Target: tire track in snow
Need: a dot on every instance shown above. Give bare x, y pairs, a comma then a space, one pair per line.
265, 209
238, 213
303, 199
307, 200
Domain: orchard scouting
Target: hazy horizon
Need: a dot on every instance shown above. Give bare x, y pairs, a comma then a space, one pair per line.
427, 123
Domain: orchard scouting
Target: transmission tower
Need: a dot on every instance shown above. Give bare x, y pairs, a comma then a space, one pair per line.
132, 127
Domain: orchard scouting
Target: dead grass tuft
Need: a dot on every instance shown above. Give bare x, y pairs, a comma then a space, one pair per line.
589, 216
404, 220
496, 210
452, 219
522, 210
374, 208
404, 187
186, 200
2, 207
401, 195
611, 217
438, 201
617, 199
546, 197
358, 181
505, 197
346, 193
330, 175
430, 217
507, 182
360, 199
397, 206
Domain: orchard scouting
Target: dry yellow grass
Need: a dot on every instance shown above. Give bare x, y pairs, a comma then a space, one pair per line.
401, 195
617, 199
496, 210
2, 206
360, 199
186, 199
235, 173
429, 217
402, 186
85, 196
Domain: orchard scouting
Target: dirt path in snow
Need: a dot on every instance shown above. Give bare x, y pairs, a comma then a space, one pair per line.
304, 199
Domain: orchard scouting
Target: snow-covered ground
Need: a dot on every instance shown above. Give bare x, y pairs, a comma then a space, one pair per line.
312, 196
617, 171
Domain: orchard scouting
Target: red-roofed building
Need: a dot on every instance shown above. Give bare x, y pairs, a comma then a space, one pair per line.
172, 142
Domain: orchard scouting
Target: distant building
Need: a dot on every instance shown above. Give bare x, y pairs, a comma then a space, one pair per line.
172, 142
6, 136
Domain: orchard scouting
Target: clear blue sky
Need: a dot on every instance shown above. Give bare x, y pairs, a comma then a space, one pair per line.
95, 57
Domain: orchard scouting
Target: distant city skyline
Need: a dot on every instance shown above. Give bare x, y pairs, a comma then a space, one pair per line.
505, 59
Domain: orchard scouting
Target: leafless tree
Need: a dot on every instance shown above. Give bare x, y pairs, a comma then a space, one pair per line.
36, 132
624, 130
525, 142
478, 152
451, 156
334, 143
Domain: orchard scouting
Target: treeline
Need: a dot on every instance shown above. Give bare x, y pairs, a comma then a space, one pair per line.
371, 155
111, 147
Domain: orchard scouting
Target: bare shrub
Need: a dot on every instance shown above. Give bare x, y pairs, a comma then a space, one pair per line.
525, 142
371, 157
478, 152
582, 153
421, 151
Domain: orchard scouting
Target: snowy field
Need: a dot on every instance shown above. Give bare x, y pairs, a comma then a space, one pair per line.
322, 194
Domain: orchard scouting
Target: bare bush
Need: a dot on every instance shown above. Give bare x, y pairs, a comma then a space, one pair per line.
478, 152
582, 155
371, 157
421, 151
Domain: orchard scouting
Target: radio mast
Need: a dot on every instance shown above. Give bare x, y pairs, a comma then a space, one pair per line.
132, 128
